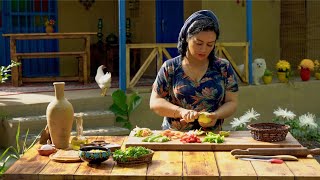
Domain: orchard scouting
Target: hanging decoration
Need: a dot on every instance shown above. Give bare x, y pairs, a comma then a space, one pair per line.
87, 3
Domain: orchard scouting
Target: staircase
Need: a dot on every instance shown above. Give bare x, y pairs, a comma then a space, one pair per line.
97, 119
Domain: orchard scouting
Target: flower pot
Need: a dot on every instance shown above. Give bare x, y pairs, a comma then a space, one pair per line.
317, 75
305, 74
60, 117
267, 79
49, 29
282, 77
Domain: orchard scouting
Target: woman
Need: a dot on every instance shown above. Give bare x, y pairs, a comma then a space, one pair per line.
196, 81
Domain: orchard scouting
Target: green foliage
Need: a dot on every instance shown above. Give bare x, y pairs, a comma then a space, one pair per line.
123, 105
15, 152
267, 72
4, 70
302, 133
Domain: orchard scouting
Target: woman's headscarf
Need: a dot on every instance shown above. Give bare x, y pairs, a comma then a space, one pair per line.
202, 14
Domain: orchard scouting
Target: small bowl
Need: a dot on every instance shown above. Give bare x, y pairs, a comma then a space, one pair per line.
46, 152
94, 154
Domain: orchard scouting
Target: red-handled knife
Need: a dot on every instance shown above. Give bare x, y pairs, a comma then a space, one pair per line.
273, 161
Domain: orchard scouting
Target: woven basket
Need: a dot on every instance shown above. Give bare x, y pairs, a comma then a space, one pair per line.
268, 132
146, 159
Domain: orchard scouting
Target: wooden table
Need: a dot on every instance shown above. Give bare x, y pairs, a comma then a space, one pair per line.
83, 56
165, 165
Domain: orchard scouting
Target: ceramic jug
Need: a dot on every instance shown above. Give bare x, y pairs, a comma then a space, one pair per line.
60, 117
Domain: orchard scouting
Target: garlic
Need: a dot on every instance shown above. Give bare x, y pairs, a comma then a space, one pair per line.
46, 147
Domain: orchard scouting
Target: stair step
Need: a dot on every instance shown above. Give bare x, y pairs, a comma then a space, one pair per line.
36, 123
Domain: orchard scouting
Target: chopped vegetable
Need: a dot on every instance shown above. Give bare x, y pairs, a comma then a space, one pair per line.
197, 132
224, 133
190, 138
142, 132
156, 138
213, 138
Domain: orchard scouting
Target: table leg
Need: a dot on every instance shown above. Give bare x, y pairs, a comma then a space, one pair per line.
87, 49
15, 69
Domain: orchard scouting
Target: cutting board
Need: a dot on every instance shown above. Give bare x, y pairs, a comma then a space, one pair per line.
236, 140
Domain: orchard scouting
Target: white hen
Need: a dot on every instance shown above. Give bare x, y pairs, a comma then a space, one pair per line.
103, 80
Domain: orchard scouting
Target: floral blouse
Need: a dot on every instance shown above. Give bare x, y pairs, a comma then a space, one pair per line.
206, 95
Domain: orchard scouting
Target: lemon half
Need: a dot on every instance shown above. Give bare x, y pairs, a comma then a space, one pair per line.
203, 117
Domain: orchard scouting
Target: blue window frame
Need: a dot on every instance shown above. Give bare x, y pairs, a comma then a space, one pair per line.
28, 16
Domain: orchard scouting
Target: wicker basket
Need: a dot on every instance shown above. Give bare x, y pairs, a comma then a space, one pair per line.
146, 159
268, 132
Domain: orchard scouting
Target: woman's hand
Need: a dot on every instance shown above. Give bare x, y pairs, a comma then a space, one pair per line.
214, 117
188, 116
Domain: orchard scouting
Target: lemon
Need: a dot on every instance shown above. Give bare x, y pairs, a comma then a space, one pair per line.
203, 118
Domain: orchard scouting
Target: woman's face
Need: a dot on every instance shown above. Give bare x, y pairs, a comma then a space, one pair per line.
201, 44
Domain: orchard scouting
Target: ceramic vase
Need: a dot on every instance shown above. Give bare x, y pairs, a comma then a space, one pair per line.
305, 74
60, 117
49, 29
282, 77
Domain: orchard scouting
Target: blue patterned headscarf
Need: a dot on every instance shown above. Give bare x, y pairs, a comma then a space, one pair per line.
206, 15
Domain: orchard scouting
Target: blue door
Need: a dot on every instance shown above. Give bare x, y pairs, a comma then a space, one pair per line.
169, 20
29, 16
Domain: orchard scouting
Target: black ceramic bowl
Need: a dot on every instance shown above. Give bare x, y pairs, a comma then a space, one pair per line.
94, 154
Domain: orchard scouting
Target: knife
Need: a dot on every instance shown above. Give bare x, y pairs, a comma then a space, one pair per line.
298, 152
273, 161
282, 157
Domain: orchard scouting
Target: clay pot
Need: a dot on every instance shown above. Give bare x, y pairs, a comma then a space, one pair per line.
317, 75
282, 77
305, 74
49, 29
60, 117
267, 79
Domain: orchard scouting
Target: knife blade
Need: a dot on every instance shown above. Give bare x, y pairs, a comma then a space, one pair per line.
273, 161
298, 152
282, 157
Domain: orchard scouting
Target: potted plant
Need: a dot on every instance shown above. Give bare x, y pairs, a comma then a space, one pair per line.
305, 67
49, 25
317, 69
283, 68
267, 76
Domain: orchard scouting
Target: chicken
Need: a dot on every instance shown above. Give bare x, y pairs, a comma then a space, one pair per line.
103, 80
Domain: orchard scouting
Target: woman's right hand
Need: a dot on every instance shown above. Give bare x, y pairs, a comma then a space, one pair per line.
188, 115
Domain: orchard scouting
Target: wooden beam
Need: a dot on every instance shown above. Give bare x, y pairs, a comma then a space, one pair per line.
51, 79
235, 67
159, 59
166, 53
164, 45
143, 68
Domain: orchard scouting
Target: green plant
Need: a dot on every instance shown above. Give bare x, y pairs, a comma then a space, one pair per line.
15, 152
267, 72
123, 105
302, 128
4, 70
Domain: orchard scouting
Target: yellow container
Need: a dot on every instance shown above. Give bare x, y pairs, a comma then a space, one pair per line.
267, 79
282, 77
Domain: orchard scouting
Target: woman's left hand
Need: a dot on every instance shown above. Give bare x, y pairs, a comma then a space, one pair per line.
214, 117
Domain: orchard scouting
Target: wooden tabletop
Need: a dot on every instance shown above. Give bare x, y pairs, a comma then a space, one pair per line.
165, 165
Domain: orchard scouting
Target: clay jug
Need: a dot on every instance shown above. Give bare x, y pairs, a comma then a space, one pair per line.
60, 117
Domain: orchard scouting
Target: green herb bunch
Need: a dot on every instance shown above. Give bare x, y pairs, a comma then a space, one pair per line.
130, 152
